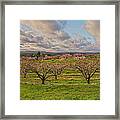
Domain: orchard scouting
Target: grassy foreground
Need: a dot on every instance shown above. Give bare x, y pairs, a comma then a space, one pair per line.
67, 87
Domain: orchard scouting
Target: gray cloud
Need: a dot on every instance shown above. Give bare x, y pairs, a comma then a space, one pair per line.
45, 26
93, 27
49, 35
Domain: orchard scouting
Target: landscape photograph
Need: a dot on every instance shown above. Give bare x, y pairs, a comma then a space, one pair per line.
59, 59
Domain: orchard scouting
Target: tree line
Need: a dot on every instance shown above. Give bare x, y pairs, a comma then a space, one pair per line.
87, 67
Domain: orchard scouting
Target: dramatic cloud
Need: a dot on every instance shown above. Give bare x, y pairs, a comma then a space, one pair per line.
51, 35
45, 26
93, 27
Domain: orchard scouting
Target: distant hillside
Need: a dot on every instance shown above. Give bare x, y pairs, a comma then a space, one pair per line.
32, 53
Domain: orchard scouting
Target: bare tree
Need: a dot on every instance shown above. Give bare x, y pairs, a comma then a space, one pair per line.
25, 66
88, 67
42, 69
57, 69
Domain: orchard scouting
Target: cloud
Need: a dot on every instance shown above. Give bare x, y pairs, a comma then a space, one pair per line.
45, 26
48, 28
93, 27
62, 35
48, 35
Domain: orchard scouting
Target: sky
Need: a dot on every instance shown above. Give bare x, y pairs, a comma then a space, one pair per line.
60, 35
73, 26
77, 26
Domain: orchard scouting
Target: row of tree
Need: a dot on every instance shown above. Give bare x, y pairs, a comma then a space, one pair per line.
44, 70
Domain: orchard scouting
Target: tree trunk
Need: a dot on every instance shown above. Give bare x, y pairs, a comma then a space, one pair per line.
55, 77
43, 78
36, 57
25, 75
88, 80
43, 81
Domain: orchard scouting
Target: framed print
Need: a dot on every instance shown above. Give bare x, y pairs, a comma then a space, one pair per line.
59, 60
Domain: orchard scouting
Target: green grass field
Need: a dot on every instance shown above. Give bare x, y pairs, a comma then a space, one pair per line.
69, 86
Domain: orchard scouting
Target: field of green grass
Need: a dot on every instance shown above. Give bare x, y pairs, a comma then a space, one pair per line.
70, 85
